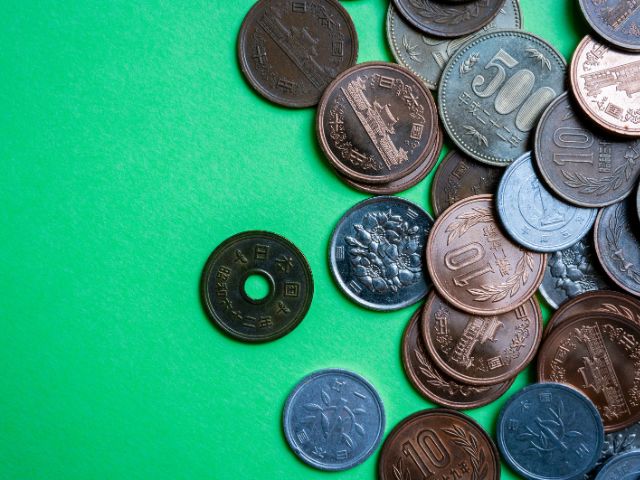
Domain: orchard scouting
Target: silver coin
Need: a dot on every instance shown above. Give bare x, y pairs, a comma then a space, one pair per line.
621, 467
426, 56
333, 419
533, 217
493, 91
376, 253
572, 272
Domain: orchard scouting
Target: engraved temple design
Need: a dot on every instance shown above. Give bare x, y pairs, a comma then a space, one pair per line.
478, 331
620, 13
626, 78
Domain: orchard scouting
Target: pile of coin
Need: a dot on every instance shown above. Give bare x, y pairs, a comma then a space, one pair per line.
541, 194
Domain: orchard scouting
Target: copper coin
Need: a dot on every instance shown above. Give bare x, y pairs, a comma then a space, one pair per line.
445, 19
458, 177
438, 443
377, 122
436, 385
403, 183
617, 241
581, 164
481, 350
599, 355
604, 81
474, 266
605, 301
290, 51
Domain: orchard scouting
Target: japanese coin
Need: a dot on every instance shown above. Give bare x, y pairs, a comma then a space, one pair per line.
459, 177
494, 89
618, 443
474, 266
402, 183
581, 164
438, 443
638, 202
446, 19
375, 253
275, 259
481, 350
434, 384
598, 354
621, 467
533, 217
549, 431
572, 272
614, 20
333, 419
377, 122
290, 51
427, 56
603, 81
606, 301
617, 239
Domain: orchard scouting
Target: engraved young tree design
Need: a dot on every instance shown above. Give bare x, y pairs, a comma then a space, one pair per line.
469, 443
384, 252
551, 433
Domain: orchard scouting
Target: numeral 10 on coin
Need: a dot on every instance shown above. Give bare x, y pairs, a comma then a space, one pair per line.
433, 450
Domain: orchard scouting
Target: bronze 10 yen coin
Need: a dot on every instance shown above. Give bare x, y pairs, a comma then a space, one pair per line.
290, 51
436, 385
599, 355
481, 350
256, 254
474, 266
377, 123
438, 443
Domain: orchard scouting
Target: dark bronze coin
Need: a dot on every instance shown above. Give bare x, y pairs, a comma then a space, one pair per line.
481, 350
447, 19
599, 355
617, 240
436, 385
289, 51
601, 301
614, 20
582, 165
377, 123
603, 81
458, 177
474, 266
266, 255
403, 183
438, 443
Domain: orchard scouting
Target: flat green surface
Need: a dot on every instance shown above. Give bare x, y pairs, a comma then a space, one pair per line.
130, 146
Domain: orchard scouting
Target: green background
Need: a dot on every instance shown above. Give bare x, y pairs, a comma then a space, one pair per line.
131, 146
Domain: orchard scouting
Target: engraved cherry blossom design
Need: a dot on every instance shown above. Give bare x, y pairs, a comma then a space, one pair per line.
403, 264
573, 271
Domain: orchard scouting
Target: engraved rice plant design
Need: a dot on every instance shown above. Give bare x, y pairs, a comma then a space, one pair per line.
384, 252
476, 135
602, 185
335, 420
539, 56
469, 63
551, 433
614, 231
400, 471
436, 380
447, 14
469, 443
411, 50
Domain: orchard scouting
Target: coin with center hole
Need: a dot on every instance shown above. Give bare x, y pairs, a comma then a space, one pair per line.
533, 217
289, 52
377, 122
436, 385
438, 443
579, 162
550, 431
481, 350
375, 253
493, 91
474, 266
273, 259
426, 55
597, 353
333, 419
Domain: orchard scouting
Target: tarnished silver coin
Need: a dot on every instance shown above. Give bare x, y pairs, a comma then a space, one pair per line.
621, 467
376, 253
533, 217
493, 91
425, 55
572, 272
